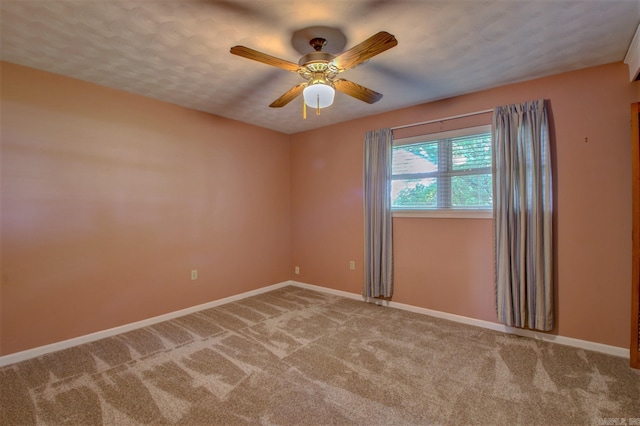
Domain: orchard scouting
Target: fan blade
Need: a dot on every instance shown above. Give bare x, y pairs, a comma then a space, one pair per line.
289, 96
359, 92
249, 53
369, 48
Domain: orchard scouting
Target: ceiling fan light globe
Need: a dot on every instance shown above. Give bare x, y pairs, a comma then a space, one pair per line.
318, 95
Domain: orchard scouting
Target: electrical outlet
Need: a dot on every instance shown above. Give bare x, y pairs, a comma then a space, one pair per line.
297, 270
194, 274
352, 265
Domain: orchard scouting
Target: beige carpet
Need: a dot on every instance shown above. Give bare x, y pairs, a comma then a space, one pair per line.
294, 357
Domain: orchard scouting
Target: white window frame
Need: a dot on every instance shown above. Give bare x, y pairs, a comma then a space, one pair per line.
479, 213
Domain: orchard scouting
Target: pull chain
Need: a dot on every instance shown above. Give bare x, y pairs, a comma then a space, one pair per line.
318, 109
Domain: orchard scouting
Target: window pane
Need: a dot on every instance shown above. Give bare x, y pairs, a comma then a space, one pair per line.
471, 191
471, 152
417, 158
419, 193
451, 170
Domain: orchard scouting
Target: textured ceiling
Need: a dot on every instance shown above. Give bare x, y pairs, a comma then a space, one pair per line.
178, 51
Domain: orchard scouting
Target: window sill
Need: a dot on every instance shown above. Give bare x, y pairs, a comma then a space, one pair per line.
445, 214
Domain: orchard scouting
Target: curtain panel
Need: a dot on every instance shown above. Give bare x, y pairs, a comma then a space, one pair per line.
523, 216
378, 245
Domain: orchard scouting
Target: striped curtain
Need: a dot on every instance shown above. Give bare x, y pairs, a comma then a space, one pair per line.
523, 216
378, 246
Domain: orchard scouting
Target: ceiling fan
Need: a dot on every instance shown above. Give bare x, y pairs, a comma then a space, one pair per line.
320, 71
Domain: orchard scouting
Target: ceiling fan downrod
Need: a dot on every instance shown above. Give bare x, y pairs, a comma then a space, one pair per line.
318, 43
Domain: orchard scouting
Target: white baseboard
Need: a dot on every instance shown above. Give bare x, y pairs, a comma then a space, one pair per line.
562, 340
65, 344
328, 290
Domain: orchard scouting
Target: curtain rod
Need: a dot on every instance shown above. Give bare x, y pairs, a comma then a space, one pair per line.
442, 119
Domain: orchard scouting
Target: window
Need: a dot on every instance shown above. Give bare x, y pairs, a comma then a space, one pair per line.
446, 173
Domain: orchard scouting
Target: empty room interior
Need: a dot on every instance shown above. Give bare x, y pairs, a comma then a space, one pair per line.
189, 236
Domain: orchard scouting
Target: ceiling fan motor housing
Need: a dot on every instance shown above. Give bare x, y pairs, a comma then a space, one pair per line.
317, 68
315, 57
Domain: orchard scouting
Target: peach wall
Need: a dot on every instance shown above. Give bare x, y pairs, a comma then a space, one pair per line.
447, 264
109, 200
